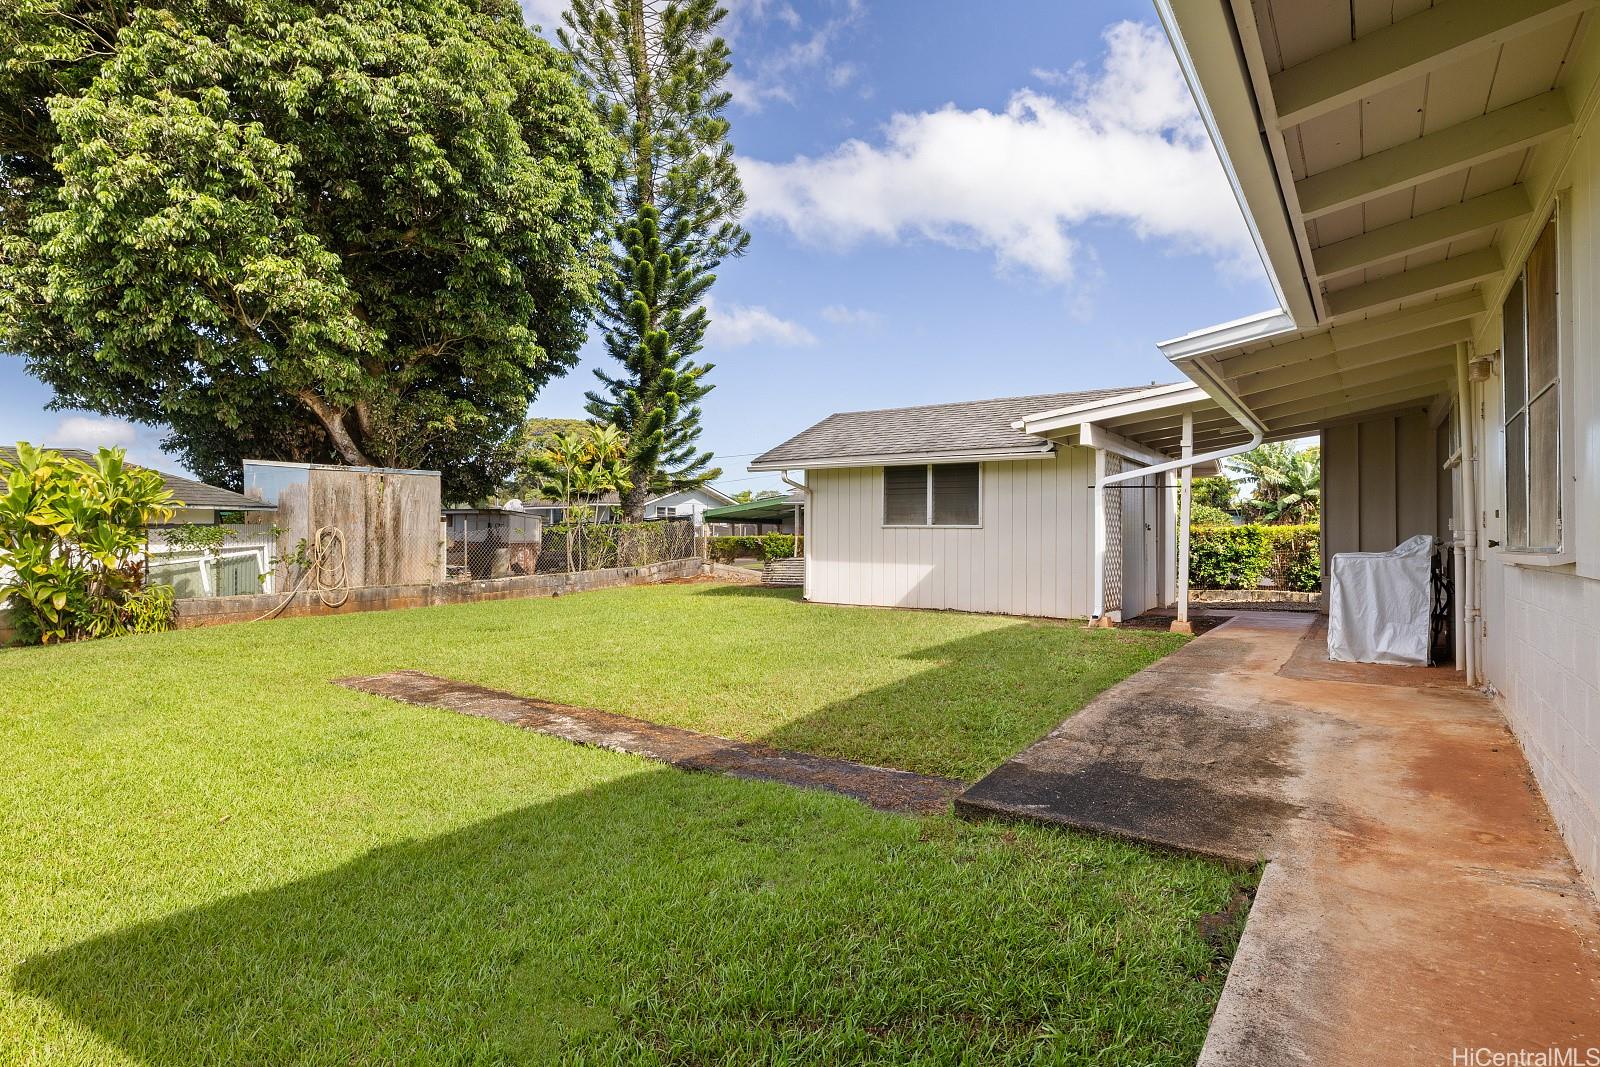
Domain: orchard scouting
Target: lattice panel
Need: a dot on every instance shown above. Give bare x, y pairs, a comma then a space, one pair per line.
1111, 568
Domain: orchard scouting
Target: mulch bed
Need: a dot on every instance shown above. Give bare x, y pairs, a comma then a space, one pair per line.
1200, 621
880, 787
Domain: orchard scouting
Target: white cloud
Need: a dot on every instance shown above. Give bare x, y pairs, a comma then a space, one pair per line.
736, 324
90, 432
1125, 146
546, 14
840, 315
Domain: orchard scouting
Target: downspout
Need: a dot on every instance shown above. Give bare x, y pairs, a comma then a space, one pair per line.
802, 529
1469, 508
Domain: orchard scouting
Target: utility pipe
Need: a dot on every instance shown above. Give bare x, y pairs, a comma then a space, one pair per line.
1229, 404
1232, 406
1185, 493
1469, 513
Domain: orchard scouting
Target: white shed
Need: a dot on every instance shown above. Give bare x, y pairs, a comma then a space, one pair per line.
957, 507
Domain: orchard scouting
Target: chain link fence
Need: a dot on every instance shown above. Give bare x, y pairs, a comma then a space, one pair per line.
596, 546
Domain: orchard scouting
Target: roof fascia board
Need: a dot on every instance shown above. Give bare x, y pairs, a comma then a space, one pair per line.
1045, 450
1210, 54
1093, 405
1189, 396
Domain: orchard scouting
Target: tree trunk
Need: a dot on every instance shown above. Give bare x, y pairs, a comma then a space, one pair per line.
333, 421
633, 502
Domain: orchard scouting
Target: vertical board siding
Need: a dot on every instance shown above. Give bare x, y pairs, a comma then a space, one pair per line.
1029, 557
1380, 479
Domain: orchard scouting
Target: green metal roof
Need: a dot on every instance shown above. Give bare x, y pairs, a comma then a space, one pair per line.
773, 509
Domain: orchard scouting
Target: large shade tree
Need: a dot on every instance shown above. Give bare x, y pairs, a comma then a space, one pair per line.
338, 230
655, 69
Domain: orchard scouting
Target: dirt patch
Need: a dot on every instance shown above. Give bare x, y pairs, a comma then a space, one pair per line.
884, 788
1309, 662
1200, 622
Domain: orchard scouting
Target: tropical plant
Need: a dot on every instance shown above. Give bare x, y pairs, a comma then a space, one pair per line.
1218, 491
745, 496
1285, 482
578, 468
654, 71
338, 230
72, 542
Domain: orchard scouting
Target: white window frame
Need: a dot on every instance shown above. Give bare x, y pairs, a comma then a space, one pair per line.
1566, 551
928, 524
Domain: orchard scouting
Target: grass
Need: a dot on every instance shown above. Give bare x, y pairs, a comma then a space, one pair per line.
210, 854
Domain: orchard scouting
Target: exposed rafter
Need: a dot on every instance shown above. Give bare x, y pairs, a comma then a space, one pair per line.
1399, 350
1510, 129
1435, 277
1358, 334
1349, 403
1424, 232
1409, 48
1325, 377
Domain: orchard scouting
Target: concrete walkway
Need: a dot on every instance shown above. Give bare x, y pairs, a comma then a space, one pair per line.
1418, 899
880, 787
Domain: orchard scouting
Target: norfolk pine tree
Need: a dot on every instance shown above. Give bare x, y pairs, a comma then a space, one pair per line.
653, 69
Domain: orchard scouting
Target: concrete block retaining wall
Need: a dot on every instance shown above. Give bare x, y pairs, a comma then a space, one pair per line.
214, 611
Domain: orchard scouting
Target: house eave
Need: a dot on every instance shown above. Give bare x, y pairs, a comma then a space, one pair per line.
1044, 450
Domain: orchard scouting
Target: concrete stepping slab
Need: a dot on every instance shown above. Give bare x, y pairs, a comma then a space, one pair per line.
884, 788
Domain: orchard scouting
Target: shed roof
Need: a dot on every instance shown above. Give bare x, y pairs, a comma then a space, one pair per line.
191, 494
975, 428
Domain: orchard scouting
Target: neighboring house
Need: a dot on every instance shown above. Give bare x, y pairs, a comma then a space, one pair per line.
243, 564
686, 503
953, 506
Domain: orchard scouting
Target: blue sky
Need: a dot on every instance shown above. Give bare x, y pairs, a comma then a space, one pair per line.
947, 202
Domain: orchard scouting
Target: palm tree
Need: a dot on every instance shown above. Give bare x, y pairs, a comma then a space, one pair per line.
578, 468
1286, 482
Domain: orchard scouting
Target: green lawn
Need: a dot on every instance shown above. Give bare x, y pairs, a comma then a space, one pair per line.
211, 855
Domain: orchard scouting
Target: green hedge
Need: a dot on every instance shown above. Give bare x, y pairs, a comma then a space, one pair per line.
764, 547
1239, 557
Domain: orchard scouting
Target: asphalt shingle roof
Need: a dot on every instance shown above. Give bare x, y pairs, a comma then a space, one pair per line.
193, 494
931, 429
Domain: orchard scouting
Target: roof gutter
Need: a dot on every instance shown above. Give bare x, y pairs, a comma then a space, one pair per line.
1042, 451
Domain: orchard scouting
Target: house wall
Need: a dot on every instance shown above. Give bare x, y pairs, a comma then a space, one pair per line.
1380, 484
1030, 556
684, 500
1541, 624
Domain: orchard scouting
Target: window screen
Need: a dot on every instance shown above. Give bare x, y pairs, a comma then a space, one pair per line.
905, 496
955, 494
1532, 380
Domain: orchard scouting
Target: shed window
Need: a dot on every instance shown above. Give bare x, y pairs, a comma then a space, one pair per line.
933, 494
1532, 381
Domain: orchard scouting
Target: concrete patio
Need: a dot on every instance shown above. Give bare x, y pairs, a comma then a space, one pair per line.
1417, 898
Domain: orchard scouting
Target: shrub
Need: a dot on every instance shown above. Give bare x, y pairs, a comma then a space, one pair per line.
1296, 556
1228, 557
1207, 515
765, 547
1239, 557
72, 535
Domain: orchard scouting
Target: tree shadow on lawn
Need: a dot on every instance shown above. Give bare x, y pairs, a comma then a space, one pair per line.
674, 918
977, 700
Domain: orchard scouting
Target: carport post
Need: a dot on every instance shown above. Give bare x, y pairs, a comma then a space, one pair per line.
1185, 491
